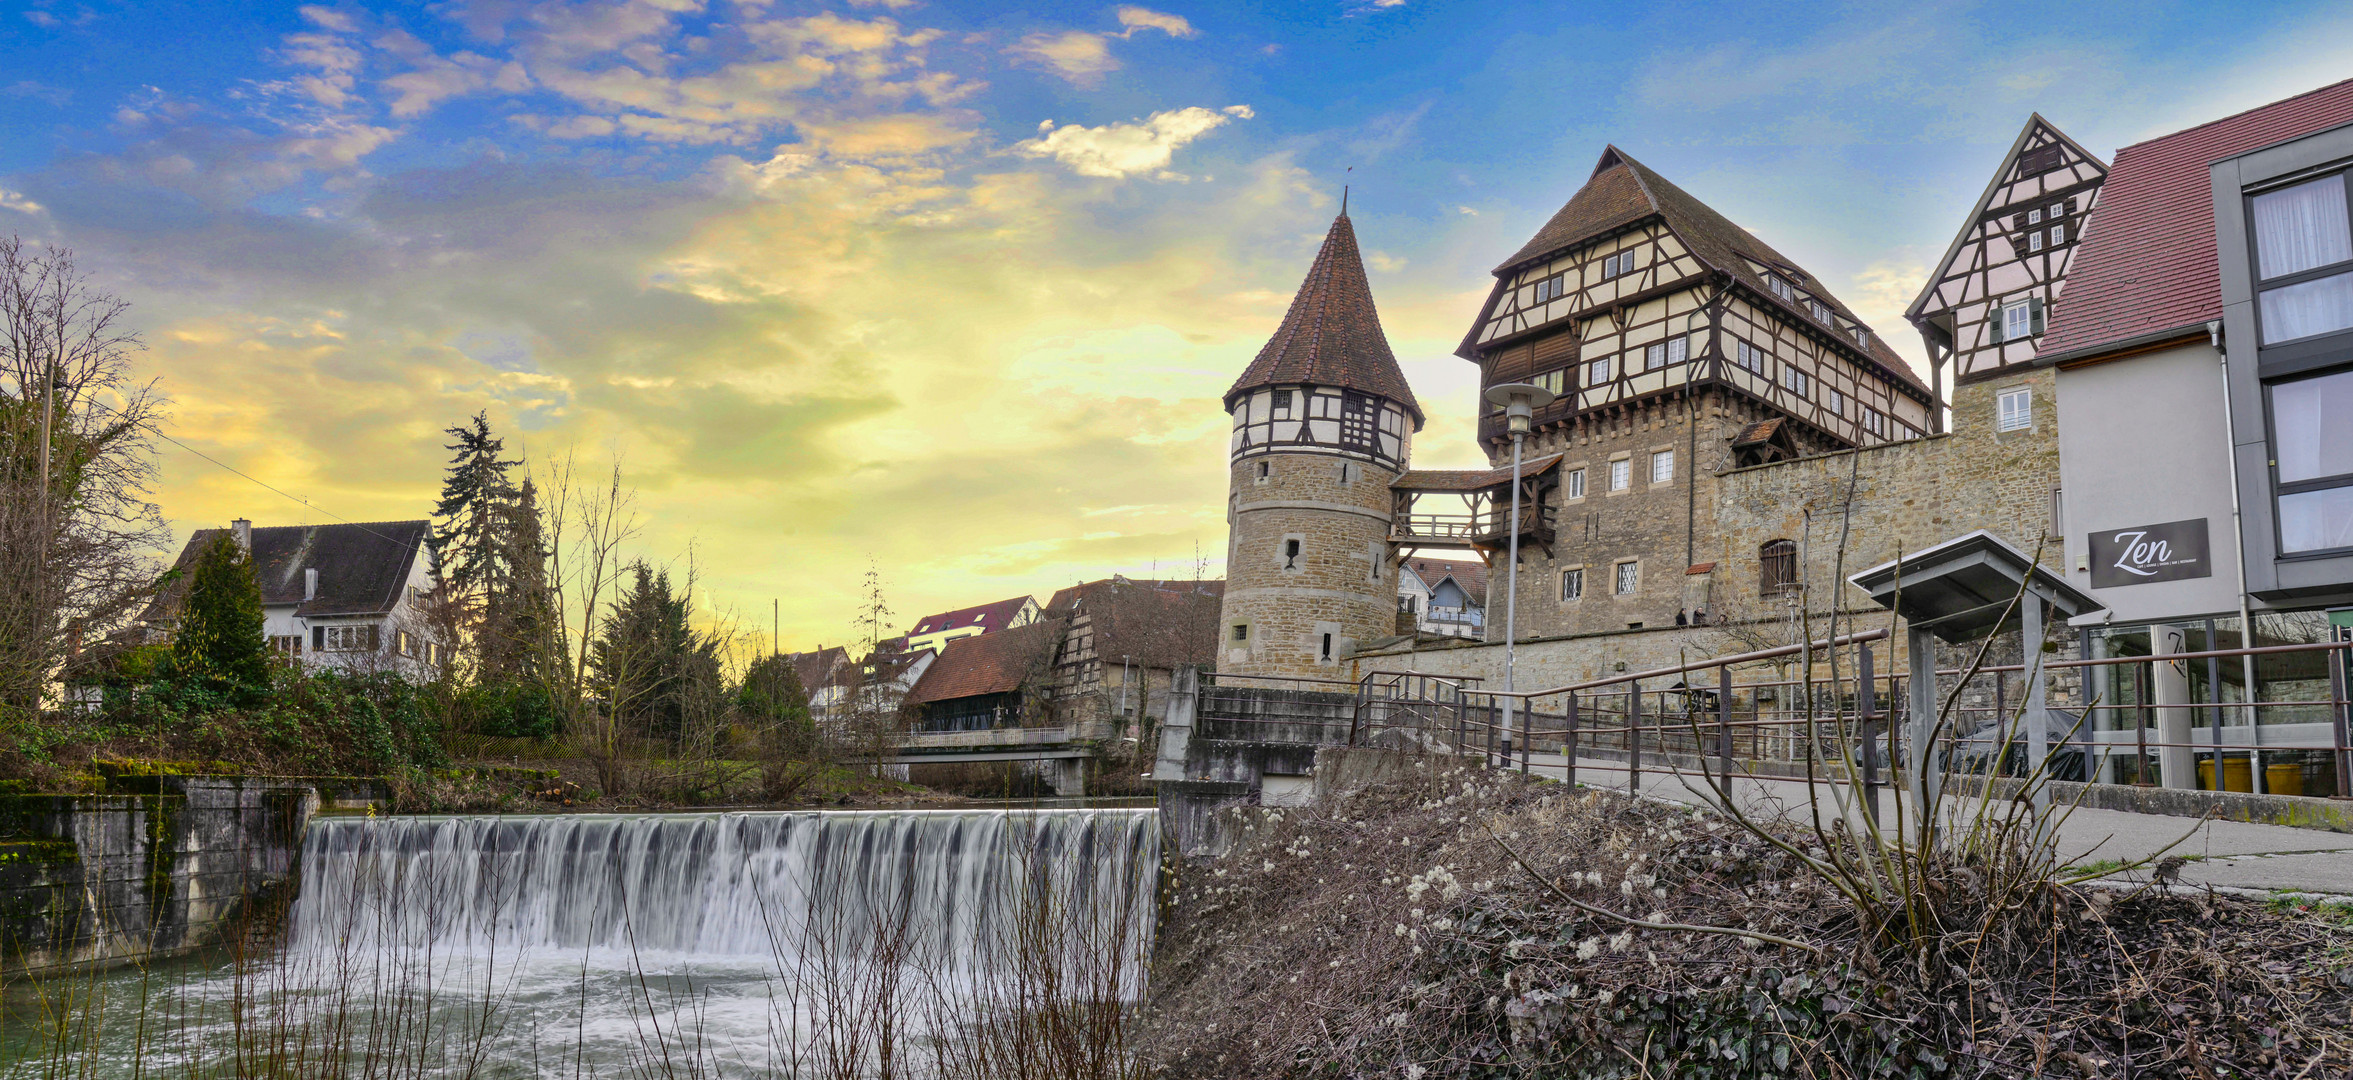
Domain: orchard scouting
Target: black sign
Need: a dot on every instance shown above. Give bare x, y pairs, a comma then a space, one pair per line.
2146, 553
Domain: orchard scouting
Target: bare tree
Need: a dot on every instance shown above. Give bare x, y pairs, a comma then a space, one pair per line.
586, 525
78, 534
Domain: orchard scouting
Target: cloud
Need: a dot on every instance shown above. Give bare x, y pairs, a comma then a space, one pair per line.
1117, 151
1083, 57
10, 200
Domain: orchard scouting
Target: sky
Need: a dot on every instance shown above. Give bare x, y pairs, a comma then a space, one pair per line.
951, 290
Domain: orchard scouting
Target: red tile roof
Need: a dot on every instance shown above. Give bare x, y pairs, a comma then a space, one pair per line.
989, 617
1332, 334
2148, 262
988, 663
1158, 624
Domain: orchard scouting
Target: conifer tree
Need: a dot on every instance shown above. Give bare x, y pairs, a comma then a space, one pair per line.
469, 546
649, 660
773, 700
518, 619
218, 642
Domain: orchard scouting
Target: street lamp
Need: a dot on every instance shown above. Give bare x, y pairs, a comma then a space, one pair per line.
1520, 402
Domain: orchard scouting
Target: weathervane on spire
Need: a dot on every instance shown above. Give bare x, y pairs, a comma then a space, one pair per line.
1344, 191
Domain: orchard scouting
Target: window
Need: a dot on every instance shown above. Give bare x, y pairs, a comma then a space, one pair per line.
1629, 576
1262, 470
1794, 380
1874, 421
1282, 405
2314, 447
1862, 337
1572, 484
2301, 242
343, 638
2014, 409
1821, 310
1666, 352
286, 644
2034, 242
1327, 652
1556, 381
1834, 401
1621, 474
1780, 288
2021, 319
1597, 372
1662, 467
2058, 235
1290, 554
1551, 289
1572, 584
1776, 567
1241, 631
404, 643
2034, 217
1620, 263
1749, 356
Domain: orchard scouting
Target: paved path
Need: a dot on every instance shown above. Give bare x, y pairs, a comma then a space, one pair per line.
2232, 854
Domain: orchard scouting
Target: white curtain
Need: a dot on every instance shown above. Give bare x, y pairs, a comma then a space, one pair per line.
2313, 421
2316, 520
2307, 308
2302, 227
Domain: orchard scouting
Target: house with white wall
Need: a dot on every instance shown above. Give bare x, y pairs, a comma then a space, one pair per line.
352, 596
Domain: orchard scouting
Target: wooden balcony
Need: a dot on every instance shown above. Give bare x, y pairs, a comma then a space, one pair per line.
1472, 508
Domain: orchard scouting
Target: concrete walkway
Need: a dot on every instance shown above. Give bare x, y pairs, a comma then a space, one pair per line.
2229, 854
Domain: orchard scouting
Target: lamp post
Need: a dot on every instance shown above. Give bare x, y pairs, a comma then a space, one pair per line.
1520, 402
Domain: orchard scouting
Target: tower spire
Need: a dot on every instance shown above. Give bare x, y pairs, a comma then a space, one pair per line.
1343, 200
1332, 334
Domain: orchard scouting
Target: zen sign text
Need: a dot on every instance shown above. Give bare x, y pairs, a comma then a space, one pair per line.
2146, 553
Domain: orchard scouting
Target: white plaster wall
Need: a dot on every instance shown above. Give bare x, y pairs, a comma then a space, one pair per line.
2142, 441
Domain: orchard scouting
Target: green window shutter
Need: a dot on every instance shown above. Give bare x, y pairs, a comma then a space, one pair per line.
2000, 321
2035, 310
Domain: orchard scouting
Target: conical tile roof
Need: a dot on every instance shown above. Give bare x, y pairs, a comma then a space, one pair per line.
1332, 335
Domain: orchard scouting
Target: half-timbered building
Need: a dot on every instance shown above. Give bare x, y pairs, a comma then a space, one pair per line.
1985, 306
1681, 346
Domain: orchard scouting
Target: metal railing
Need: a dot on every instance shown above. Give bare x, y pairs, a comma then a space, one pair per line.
1824, 727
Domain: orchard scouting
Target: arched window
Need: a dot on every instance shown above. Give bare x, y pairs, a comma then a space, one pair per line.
1776, 567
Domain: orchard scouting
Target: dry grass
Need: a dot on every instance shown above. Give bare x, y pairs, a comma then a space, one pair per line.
1399, 933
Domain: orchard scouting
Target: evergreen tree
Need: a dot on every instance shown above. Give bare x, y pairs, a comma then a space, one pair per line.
649, 660
773, 701
469, 546
219, 642
516, 633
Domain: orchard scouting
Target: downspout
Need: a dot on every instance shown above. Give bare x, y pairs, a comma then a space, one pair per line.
2246, 617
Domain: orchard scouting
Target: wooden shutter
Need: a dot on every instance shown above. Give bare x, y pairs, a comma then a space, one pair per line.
318, 639
375, 642
2034, 308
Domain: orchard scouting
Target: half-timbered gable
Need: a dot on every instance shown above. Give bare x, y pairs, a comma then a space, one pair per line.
1986, 304
1667, 332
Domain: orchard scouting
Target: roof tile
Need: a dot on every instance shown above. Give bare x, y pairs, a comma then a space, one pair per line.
2148, 261
1332, 335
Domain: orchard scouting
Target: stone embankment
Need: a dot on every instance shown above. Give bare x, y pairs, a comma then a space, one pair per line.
156, 865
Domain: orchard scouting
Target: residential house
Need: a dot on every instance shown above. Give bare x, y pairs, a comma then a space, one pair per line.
1447, 597
936, 631
1121, 644
827, 674
984, 681
356, 597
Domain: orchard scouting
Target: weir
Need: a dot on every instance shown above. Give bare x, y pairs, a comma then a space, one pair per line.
732, 885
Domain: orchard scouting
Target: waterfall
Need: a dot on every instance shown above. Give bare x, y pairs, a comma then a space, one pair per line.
745, 886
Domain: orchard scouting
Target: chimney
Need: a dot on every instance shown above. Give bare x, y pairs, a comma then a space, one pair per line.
310, 584
244, 533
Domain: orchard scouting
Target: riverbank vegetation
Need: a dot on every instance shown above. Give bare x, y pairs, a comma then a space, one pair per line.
1484, 925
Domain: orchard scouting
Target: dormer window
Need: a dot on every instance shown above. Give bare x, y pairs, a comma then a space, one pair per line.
1780, 288
1821, 310
1862, 337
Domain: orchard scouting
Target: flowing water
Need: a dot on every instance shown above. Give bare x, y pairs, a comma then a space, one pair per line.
735, 944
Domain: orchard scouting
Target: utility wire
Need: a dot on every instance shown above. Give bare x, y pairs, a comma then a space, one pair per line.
240, 472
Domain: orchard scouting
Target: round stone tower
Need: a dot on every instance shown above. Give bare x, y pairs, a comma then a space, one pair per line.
1323, 424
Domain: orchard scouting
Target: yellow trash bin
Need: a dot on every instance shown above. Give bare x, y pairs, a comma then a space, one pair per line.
2236, 775
2284, 778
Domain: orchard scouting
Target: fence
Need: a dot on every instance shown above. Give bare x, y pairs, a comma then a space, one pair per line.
2134, 722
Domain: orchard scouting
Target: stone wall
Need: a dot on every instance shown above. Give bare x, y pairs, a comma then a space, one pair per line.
1279, 609
159, 865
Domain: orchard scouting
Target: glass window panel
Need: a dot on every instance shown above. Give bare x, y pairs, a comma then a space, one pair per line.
2312, 420
2316, 520
1621, 474
1662, 467
2307, 308
2301, 227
